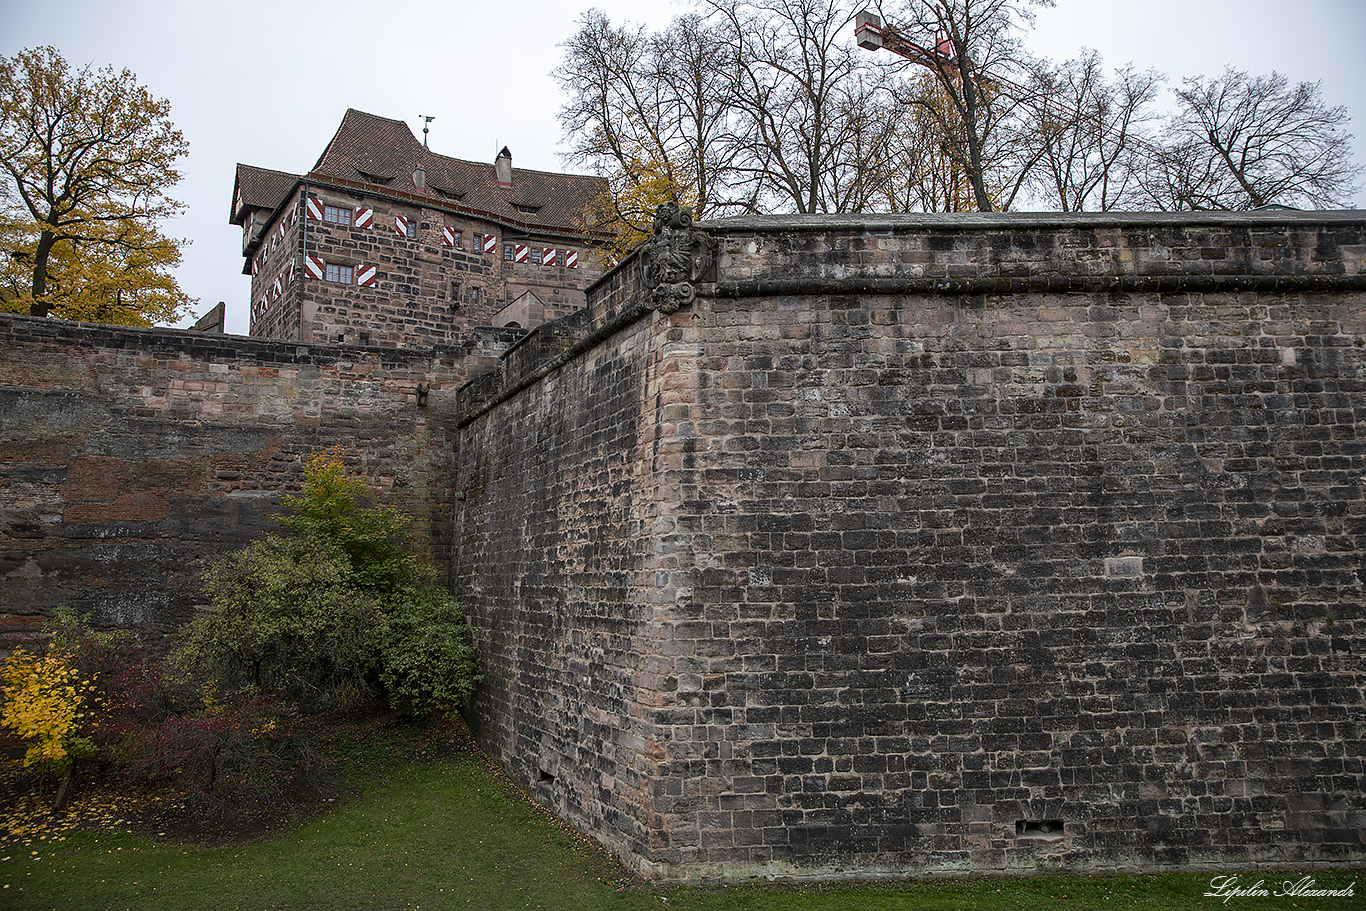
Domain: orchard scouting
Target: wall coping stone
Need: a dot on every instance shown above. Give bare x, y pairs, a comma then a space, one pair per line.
978, 221
18, 328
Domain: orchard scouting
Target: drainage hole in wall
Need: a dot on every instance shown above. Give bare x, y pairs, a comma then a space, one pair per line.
1046, 829
546, 777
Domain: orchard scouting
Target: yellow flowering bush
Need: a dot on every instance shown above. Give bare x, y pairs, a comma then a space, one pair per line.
44, 701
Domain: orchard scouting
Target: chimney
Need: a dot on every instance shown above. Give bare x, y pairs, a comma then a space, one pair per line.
420, 178
502, 166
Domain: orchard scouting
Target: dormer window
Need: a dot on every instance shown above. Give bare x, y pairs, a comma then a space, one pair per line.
525, 209
374, 178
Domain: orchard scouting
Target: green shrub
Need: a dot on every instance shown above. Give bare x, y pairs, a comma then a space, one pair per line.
333, 508
287, 622
313, 617
426, 661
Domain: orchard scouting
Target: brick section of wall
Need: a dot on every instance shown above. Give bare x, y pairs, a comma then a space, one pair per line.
997, 544
557, 542
125, 453
425, 293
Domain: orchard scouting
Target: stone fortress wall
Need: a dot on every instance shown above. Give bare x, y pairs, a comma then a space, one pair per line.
125, 454
821, 547
937, 545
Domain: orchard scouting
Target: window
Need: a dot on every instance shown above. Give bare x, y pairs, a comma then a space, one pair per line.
337, 215
508, 252
455, 295
474, 295
478, 243
412, 227
536, 255
338, 273
456, 239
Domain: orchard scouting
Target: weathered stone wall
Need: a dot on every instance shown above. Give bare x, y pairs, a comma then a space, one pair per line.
127, 453
556, 531
911, 544
947, 545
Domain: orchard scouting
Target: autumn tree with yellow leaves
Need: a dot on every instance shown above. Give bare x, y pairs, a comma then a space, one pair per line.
46, 702
87, 158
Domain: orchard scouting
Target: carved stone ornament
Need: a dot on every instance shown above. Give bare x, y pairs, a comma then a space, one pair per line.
668, 264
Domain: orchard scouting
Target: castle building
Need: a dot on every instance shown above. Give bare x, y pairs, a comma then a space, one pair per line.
386, 243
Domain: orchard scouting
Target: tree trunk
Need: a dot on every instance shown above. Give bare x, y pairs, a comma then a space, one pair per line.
39, 306
62, 788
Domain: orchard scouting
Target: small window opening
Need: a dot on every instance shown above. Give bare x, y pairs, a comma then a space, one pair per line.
546, 777
1042, 829
337, 215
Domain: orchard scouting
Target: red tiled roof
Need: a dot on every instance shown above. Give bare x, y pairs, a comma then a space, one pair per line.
384, 154
258, 188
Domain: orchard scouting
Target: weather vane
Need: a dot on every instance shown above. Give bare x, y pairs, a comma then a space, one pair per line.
425, 120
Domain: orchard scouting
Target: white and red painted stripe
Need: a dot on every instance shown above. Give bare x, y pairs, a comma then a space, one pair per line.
289, 269
364, 217
315, 209
571, 259
448, 236
490, 243
365, 276
401, 225
313, 267
275, 289
549, 256
520, 254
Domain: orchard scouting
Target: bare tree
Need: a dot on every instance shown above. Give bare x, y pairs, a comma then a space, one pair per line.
973, 50
647, 111
1091, 132
805, 119
914, 173
1240, 142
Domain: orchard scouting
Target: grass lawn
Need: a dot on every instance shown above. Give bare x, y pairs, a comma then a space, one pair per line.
450, 833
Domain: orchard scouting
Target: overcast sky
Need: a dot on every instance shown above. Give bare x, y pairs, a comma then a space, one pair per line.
266, 83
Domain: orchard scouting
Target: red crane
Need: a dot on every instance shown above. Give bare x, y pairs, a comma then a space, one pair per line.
872, 35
